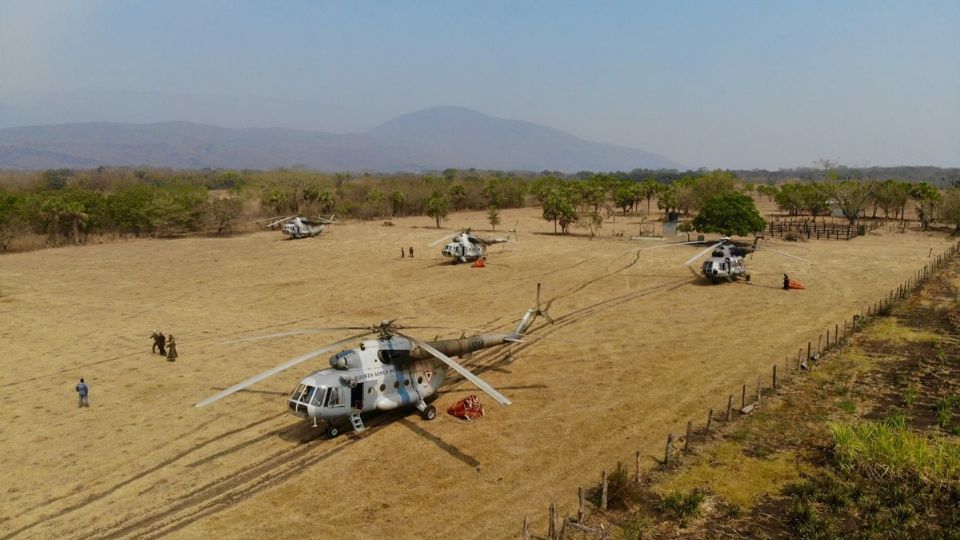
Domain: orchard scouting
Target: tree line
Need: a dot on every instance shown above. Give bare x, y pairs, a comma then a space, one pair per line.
68, 206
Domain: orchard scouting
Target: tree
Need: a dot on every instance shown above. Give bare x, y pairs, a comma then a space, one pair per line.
950, 211
790, 198
397, 201
891, 195
729, 213
458, 196
928, 199
13, 222
813, 199
222, 214
493, 216
560, 208
850, 196
648, 188
438, 207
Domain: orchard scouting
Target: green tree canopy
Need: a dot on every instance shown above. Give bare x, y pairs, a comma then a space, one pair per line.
729, 213
438, 207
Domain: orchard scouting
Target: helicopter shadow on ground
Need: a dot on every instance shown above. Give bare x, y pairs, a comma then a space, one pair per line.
450, 449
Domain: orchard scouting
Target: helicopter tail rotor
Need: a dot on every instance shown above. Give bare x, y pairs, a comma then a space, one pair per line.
533, 313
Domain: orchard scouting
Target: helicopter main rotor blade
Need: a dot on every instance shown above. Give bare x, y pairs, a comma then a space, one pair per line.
278, 221
671, 244
273, 371
785, 254
435, 242
297, 332
477, 381
701, 253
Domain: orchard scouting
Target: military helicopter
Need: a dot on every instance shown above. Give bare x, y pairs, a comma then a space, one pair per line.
467, 246
392, 371
726, 258
299, 227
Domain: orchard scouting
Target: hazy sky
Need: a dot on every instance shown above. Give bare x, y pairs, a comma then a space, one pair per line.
717, 84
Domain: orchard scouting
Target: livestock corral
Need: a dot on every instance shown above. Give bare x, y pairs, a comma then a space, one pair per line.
646, 346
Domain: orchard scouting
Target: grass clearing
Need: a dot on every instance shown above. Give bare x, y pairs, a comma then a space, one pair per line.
738, 479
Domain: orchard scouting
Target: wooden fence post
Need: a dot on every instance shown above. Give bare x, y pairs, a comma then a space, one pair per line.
774, 377
759, 388
809, 344
603, 491
743, 397
526, 528
638, 467
709, 420
552, 527
828, 338
666, 454
836, 334
729, 407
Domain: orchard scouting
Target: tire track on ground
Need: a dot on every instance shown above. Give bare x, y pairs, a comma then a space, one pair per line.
227, 490
109, 491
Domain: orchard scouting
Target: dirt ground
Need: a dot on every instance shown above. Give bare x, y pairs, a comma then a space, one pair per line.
652, 348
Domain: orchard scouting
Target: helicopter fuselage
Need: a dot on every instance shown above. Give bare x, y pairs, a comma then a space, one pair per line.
465, 248
380, 375
299, 227
725, 262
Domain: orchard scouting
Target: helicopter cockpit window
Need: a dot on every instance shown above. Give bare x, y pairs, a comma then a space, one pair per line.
333, 398
296, 393
318, 397
307, 394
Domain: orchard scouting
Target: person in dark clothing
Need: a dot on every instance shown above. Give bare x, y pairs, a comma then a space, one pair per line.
83, 391
786, 282
411, 252
159, 342
402, 253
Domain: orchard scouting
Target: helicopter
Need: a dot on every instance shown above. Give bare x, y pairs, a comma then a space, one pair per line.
392, 371
726, 259
467, 246
299, 227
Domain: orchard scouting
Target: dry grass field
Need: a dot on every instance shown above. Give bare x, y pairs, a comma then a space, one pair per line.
653, 348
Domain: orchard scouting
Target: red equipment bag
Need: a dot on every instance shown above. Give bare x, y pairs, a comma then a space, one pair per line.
468, 408
796, 285
479, 263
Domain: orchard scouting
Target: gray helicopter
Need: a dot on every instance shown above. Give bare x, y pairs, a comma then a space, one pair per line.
300, 227
392, 371
726, 259
467, 246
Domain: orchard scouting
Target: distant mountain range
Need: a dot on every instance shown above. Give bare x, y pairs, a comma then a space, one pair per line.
431, 139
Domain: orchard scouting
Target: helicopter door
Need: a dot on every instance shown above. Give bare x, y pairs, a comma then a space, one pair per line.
356, 396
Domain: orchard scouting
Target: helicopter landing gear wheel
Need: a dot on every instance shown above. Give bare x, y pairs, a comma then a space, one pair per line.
429, 413
333, 431
747, 277
715, 280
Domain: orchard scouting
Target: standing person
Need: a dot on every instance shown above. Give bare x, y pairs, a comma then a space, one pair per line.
83, 391
786, 282
171, 349
402, 253
156, 341
411, 252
